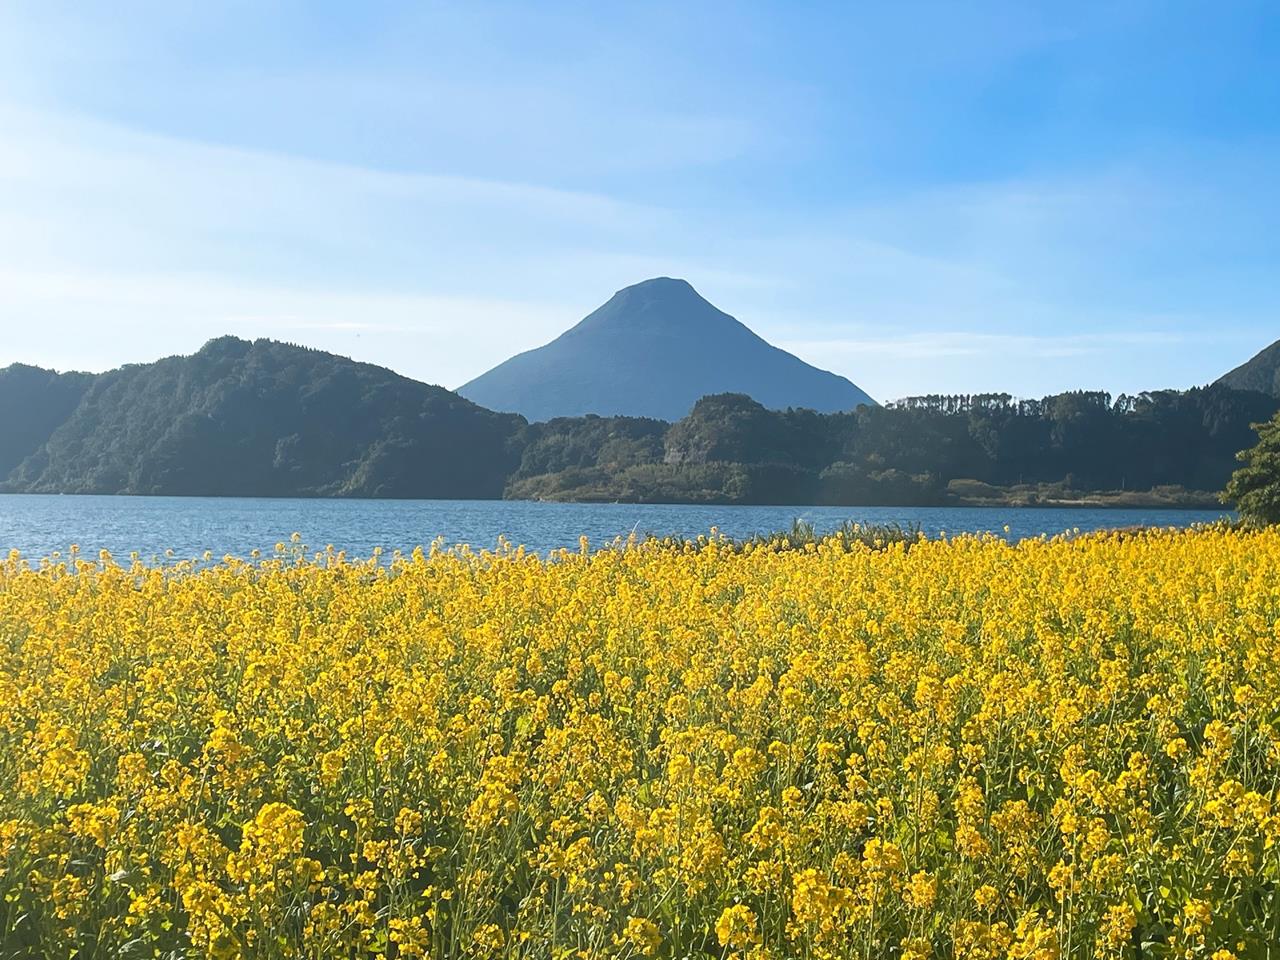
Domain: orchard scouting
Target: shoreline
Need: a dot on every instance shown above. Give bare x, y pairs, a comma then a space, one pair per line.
1086, 500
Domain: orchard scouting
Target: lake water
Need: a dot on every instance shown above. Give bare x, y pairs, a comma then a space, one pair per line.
40, 525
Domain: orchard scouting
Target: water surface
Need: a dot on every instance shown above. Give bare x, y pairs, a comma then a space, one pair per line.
39, 525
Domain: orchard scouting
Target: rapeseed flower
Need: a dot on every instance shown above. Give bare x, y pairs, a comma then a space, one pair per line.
962, 748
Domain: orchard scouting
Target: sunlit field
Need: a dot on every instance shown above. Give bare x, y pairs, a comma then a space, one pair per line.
959, 748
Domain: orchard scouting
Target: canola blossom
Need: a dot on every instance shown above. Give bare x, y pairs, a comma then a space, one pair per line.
958, 748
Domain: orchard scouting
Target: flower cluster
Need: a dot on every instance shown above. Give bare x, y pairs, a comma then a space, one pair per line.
1063, 748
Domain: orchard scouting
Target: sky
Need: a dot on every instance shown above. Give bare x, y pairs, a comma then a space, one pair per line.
923, 197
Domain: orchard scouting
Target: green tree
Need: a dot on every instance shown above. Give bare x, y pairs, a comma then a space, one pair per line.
1255, 487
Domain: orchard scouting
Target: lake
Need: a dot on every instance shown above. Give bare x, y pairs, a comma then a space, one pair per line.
39, 525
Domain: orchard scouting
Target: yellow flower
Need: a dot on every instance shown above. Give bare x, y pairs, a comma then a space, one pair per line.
736, 928
643, 934
920, 891
1118, 924
967, 748
274, 834
882, 857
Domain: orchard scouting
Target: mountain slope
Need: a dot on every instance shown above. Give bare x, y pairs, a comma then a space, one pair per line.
271, 419
34, 403
1260, 373
652, 351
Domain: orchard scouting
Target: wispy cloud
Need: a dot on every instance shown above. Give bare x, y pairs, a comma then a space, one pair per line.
94, 321
953, 343
1139, 271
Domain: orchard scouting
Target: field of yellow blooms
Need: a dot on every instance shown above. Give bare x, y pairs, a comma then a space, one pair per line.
1061, 748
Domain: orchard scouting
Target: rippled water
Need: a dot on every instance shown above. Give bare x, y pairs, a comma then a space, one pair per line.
40, 525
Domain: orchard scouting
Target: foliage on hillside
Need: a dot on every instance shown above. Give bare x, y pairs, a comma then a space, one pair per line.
731, 449
33, 403
1055, 750
1255, 488
271, 419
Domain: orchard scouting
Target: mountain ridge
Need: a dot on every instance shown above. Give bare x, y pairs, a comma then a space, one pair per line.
264, 418
1261, 372
652, 350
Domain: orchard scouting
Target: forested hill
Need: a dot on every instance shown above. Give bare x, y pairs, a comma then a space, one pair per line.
923, 450
272, 419
33, 403
252, 419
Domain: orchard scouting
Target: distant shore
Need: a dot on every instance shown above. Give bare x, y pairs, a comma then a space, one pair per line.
959, 493
962, 493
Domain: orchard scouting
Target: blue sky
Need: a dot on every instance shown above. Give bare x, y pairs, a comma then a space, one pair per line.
923, 197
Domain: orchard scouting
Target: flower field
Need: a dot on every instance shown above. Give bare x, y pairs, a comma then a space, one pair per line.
959, 748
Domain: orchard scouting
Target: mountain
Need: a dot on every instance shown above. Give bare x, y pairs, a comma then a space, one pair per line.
1261, 373
258, 419
264, 418
33, 402
652, 351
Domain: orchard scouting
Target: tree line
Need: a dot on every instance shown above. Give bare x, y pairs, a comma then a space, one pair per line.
917, 450
270, 419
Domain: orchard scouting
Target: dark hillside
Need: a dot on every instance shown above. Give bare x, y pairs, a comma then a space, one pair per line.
271, 419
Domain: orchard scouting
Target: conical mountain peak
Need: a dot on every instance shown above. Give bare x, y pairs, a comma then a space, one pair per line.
662, 286
659, 302
652, 350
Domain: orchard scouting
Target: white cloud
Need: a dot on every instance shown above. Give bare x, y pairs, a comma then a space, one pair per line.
130, 245
951, 343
